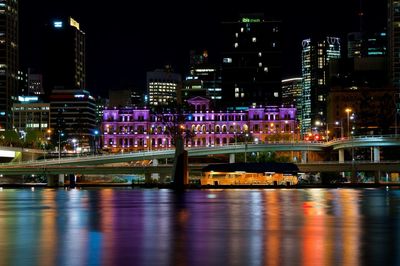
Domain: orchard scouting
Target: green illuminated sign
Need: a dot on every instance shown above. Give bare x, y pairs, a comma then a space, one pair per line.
251, 20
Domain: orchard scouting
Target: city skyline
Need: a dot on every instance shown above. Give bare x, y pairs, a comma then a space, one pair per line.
125, 41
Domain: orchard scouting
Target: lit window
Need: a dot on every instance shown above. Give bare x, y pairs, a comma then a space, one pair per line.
254, 39
260, 64
266, 69
236, 45
227, 60
276, 94
237, 34
259, 54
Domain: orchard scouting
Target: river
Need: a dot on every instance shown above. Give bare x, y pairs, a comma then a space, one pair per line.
111, 226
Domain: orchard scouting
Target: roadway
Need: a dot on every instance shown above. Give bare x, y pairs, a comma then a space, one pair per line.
86, 161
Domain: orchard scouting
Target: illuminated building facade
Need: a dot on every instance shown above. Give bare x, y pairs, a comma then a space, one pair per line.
8, 60
316, 55
31, 114
251, 61
292, 91
204, 79
163, 87
141, 129
64, 65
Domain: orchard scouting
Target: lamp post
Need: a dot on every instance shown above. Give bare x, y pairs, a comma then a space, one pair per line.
341, 127
234, 132
74, 141
348, 110
59, 144
245, 147
148, 142
96, 133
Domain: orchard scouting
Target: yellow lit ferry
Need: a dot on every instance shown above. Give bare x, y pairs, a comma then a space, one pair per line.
250, 174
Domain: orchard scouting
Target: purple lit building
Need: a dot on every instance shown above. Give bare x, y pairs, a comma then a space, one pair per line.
139, 129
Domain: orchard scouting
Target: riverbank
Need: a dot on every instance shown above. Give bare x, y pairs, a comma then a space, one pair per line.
195, 186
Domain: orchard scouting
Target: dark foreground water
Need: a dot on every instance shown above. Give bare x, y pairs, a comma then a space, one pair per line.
200, 227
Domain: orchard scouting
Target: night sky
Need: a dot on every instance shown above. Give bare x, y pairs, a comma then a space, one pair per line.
127, 38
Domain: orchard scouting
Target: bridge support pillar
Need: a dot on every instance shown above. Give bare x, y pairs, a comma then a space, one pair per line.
377, 156
354, 178
232, 158
180, 172
72, 180
52, 181
341, 155
377, 177
147, 178
61, 180
162, 178
304, 155
155, 162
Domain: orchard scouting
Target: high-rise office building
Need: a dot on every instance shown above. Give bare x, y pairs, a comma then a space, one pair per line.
354, 44
366, 44
163, 87
292, 91
64, 64
8, 60
22, 82
204, 78
394, 42
316, 55
73, 112
251, 61
35, 83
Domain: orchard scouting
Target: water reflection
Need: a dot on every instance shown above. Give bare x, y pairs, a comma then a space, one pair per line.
231, 227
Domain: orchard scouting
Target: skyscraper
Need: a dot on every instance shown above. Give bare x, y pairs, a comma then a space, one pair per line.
204, 78
251, 61
64, 64
369, 44
163, 87
292, 92
316, 55
394, 41
8, 60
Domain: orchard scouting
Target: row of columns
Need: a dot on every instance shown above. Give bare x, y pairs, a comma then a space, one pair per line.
304, 156
376, 157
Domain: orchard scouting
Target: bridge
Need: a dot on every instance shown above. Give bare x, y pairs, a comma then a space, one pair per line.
348, 166
18, 154
303, 146
98, 163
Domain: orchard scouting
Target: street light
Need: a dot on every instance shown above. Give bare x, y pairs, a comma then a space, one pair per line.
348, 110
341, 127
148, 142
234, 132
74, 141
60, 134
245, 147
96, 133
